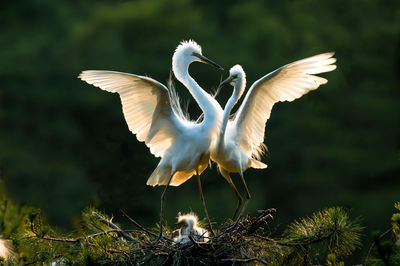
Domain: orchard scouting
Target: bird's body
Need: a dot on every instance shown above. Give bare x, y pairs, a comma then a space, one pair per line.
153, 113
240, 142
190, 227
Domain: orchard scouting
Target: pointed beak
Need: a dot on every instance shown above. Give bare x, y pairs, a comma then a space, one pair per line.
180, 223
225, 82
207, 61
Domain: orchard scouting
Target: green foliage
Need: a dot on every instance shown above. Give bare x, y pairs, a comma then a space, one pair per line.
332, 228
95, 241
65, 145
331, 261
386, 246
334, 225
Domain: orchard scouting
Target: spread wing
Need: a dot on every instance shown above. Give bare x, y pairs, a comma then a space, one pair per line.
146, 105
287, 83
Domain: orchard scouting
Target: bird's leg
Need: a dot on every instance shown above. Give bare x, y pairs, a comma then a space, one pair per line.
203, 202
247, 194
162, 206
240, 199
228, 179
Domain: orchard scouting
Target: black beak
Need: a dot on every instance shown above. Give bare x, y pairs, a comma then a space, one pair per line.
180, 223
225, 82
207, 61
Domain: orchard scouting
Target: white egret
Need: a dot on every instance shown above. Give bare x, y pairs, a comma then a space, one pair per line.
240, 142
189, 223
153, 113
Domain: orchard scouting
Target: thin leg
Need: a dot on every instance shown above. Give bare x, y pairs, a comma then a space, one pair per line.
162, 206
240, 199
203, 202
247, 194
228, 179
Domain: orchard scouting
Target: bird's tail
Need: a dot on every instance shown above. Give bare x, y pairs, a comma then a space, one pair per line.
181, 177
256, 164
162, 173
159, 176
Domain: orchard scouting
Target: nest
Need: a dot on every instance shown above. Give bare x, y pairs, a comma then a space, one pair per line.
240, 241
245, 241
235, 242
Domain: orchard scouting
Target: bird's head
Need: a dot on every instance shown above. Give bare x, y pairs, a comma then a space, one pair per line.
237, 78
188, 52
187, 220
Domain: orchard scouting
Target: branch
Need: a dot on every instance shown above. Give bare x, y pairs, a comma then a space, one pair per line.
375, 241
245, 260
75, 240
113, 226
137, 224
197, 244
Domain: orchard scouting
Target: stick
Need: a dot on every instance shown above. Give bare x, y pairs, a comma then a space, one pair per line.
245, 260
137, 224
113, 226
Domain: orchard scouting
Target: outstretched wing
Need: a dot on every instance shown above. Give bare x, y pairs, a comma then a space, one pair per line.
146, 106
287, 83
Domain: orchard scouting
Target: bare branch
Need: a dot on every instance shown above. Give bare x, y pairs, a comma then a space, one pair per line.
113, 226
245, 260
137, 224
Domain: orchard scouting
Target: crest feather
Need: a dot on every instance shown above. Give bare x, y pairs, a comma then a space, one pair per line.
186, 44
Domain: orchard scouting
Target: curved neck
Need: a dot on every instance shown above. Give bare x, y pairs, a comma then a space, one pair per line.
204, 100
186, 230
227, 111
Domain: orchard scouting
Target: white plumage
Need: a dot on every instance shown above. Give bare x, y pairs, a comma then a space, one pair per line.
150, 112
190, 227
240, 142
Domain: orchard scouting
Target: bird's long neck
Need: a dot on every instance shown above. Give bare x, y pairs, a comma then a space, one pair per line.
208, 104
186, 230
227, 111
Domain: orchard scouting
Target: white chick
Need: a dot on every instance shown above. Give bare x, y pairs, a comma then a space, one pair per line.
189, 227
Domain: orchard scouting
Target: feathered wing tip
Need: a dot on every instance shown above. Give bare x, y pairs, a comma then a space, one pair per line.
316, 64
190, 43
253, 163
259, 151
175, 100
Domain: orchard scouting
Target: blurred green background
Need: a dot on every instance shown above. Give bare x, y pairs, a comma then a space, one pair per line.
64, 144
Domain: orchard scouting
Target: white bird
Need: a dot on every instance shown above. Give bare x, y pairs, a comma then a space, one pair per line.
189, 223
240, 141
153, 113
6, 251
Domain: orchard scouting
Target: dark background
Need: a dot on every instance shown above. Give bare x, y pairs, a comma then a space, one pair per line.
65, 145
